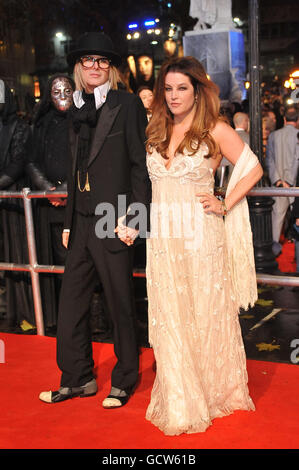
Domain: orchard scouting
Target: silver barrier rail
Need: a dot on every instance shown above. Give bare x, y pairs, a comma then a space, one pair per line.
34, 268
273, 191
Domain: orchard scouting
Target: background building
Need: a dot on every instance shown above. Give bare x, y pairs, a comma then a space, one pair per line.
36, 36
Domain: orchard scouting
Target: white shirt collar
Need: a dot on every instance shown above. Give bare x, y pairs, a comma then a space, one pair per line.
100, 95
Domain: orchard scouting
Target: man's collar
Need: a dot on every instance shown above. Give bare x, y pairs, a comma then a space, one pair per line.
100, 95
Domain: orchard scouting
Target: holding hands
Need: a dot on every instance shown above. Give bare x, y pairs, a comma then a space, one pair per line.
126, 234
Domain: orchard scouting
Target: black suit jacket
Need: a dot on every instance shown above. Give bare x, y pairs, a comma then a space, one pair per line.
117, 160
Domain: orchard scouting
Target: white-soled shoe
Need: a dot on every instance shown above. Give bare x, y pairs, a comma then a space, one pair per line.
65, 393
116, 398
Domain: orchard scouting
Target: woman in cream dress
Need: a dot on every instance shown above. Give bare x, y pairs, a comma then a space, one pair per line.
195, 282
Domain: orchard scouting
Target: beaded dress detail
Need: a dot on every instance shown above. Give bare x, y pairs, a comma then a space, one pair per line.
193, 314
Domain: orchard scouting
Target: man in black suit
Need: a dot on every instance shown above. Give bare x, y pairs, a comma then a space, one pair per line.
107, 178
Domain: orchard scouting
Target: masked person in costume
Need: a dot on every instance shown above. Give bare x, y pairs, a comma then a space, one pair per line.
47, 171
107, 164
14, 135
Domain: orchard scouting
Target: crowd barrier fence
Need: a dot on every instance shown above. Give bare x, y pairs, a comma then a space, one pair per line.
35, 268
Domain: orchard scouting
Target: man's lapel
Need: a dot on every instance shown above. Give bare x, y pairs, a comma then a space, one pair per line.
74, 147
107, 117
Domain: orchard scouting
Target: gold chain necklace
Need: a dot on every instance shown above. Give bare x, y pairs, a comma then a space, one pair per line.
86, 186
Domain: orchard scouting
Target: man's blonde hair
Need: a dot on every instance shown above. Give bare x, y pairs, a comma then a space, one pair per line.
114, 77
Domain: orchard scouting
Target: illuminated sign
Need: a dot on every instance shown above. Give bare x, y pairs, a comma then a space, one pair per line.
149, 23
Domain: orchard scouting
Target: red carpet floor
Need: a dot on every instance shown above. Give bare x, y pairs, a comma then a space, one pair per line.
286, 260
26, 423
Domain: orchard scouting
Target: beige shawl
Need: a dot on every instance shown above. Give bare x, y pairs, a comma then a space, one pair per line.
239, 237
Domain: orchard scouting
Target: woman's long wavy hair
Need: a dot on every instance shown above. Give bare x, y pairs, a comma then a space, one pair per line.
207, 111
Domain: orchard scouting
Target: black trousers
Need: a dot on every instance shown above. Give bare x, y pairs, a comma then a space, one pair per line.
87, 259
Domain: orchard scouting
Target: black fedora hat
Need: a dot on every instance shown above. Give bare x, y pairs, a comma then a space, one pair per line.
94, 43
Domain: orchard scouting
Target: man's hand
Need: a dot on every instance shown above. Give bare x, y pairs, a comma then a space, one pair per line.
126, 234
57, 201
65, 238
283, 184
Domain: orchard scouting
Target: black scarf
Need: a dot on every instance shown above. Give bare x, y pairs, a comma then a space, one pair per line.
84, 120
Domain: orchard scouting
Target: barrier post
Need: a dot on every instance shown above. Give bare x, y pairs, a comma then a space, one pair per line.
260, 208
33, 263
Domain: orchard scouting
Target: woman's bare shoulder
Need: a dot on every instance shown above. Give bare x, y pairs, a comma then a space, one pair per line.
221, 128
228, 140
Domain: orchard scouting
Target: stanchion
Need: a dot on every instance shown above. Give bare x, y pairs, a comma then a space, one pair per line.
33, 263
260, 208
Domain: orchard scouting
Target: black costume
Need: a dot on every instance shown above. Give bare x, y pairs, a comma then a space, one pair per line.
14, 135
116, 165
107, 160
47, 169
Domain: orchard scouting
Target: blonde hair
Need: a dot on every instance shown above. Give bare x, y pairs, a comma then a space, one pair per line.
114, 77
207, 110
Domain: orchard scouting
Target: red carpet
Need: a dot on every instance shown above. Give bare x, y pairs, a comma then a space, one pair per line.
286, 260
27, 423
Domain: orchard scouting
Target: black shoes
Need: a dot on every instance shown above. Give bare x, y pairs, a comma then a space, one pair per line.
65, 393
116, 398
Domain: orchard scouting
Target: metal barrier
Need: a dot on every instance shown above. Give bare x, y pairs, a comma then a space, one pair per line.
34, 268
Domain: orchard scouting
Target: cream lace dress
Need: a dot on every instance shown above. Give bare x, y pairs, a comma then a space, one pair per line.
193, 313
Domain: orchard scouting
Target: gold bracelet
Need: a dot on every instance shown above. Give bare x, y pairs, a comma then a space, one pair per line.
224, 208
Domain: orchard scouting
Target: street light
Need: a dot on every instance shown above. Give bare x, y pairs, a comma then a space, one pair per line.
238, 21
36, 90
290, 83
60, 35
